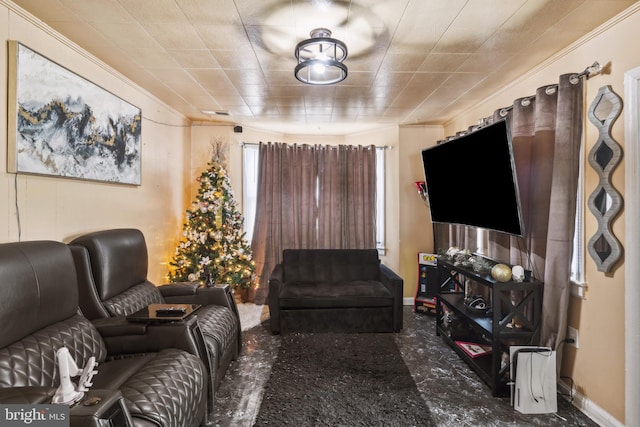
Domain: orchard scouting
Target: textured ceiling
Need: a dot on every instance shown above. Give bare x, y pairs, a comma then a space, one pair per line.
410, 61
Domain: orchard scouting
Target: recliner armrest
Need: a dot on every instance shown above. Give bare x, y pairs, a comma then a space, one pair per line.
178, 289
220, 295
215, 295
100, 407
118, 326
123, 337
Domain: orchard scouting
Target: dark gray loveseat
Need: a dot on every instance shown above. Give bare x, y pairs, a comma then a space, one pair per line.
334, 290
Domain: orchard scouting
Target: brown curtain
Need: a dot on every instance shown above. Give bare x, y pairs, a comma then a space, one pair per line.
346, 197
286, 180
562, 211
546, 134
312, 197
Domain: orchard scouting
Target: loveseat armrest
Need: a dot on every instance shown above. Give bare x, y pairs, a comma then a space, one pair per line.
31, 395
395, 284
275, 284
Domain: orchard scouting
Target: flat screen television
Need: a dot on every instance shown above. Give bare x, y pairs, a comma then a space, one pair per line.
471, 180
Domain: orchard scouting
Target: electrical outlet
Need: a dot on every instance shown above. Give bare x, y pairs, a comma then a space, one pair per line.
572, 334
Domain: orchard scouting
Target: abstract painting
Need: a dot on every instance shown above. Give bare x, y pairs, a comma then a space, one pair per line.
61, 124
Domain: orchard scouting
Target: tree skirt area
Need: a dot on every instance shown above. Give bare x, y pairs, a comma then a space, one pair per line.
341, 380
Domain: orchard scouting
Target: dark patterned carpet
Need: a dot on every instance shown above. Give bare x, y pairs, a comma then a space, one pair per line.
455, 395
341, 380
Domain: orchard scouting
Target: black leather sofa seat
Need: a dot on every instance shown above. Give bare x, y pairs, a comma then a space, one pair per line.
39, 314
342, 290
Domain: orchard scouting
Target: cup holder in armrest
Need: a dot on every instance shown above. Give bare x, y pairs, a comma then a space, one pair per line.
100, 407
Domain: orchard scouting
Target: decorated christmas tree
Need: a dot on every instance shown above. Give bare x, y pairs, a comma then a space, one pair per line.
214, 249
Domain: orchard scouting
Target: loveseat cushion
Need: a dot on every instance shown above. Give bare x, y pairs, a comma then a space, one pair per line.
357, 293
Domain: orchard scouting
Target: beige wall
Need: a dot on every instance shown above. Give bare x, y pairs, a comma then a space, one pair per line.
416, 232
60, 208
597, 367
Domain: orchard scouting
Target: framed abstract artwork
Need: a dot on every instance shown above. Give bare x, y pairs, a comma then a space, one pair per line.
61, 124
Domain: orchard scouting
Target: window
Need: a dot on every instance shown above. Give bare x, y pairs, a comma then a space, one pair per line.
380, 183
250, 157
578, 285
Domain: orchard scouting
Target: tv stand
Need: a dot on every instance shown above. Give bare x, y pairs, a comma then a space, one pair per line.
482, 339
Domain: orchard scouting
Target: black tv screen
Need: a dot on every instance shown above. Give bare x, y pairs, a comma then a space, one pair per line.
471, 180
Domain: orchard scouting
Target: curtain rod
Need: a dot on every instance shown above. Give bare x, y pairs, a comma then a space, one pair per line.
591, 71
254, 144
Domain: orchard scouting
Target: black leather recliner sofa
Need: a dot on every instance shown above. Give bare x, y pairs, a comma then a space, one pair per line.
112, 268
39, 314
334, 290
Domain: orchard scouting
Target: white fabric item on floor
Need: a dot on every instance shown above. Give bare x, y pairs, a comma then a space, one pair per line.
250, 315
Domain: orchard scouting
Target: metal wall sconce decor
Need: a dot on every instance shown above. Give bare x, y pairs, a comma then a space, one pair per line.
605, 202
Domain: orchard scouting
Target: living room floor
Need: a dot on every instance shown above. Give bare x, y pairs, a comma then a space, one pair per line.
454, 394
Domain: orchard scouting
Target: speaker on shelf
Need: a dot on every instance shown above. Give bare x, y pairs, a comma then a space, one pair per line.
237, 129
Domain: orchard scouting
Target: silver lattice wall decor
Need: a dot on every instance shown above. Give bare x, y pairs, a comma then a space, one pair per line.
605, 201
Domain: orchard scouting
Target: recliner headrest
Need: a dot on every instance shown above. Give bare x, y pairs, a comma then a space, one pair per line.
38, 287
119, 259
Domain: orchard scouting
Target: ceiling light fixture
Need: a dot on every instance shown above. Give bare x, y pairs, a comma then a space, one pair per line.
320, 59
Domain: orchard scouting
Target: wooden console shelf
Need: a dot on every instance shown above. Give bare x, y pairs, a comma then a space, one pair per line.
513, 318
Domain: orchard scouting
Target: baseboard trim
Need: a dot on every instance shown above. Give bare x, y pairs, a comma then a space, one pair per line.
589, 408
407, 301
